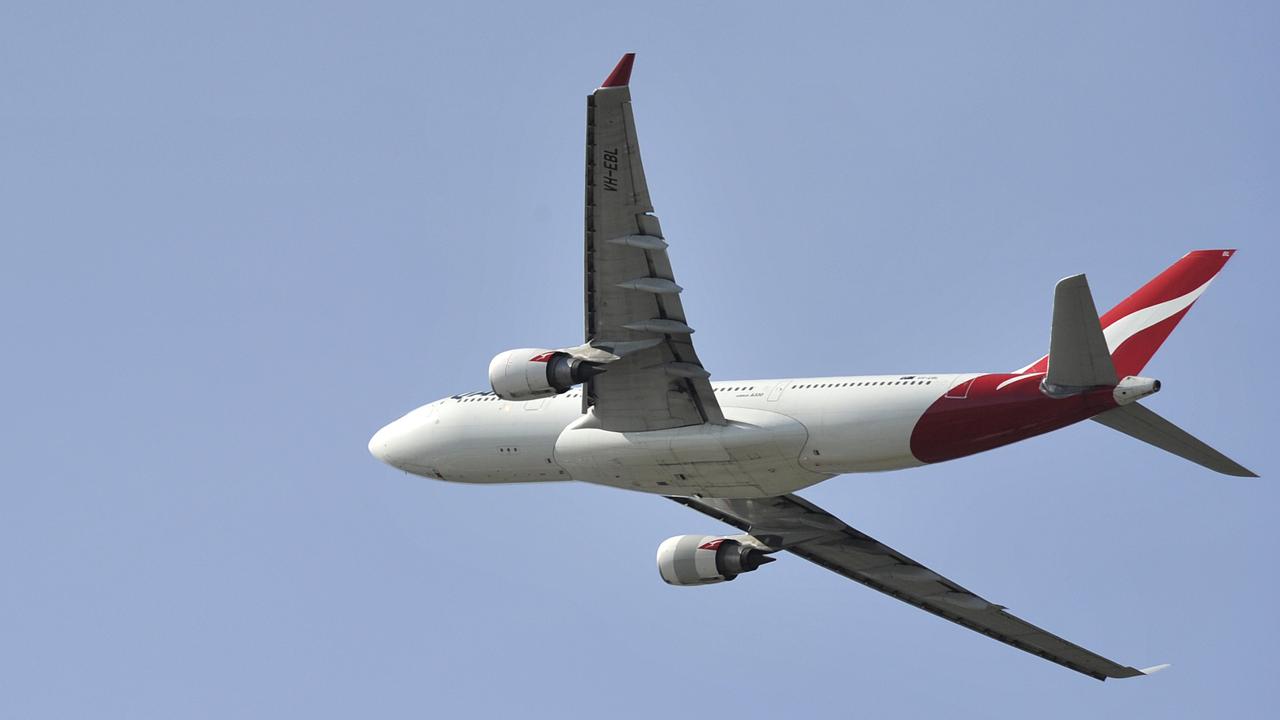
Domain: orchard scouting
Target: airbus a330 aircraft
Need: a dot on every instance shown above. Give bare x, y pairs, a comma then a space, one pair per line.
633, 408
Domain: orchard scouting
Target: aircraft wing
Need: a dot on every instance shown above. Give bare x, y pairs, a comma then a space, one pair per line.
794, 524
633, 305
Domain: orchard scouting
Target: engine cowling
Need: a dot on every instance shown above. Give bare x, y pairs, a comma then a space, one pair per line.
532, 373
1133, 389
706, 559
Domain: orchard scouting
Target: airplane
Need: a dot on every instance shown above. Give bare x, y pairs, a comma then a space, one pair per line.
633, 408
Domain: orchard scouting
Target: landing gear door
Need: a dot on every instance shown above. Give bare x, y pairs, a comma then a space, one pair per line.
778, 389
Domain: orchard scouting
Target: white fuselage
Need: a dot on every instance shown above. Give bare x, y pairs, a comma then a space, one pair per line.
781, 435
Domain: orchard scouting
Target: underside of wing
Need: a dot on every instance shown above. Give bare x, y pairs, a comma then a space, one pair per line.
790, 523
633, 308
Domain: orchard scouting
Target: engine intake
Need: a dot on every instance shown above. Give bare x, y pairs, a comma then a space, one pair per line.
532, 373
706, 559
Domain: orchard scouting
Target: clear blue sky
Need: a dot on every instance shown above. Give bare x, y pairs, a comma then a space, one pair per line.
237, 238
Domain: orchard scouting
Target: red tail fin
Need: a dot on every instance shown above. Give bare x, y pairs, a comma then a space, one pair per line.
1137, 327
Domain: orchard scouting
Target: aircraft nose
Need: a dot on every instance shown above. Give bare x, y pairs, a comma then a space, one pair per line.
380, 444
405, 444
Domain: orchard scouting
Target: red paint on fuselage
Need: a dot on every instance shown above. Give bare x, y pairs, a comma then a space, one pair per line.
987, 417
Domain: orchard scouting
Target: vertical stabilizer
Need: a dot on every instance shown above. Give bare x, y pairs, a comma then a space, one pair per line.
1135, 329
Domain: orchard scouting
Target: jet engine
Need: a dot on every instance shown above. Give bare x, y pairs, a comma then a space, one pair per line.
532, 373
1132, 389
706, 559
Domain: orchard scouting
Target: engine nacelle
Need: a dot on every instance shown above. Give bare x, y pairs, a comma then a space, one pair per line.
532, 373
706, 559
1133, 388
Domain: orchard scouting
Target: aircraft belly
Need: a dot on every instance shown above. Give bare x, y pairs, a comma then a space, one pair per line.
756, 454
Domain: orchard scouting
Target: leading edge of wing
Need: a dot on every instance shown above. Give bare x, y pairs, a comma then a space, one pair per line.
789, 522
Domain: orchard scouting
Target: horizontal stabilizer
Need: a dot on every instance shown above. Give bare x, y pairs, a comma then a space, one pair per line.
1142, 423
1078, 355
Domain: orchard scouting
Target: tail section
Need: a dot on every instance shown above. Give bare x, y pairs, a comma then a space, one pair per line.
1087, 353
1137, 327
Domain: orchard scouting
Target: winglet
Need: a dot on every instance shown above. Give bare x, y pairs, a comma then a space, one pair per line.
1130, 672
621, 74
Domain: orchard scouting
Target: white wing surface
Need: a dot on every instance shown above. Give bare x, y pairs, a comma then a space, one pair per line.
633, 305
794, 524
